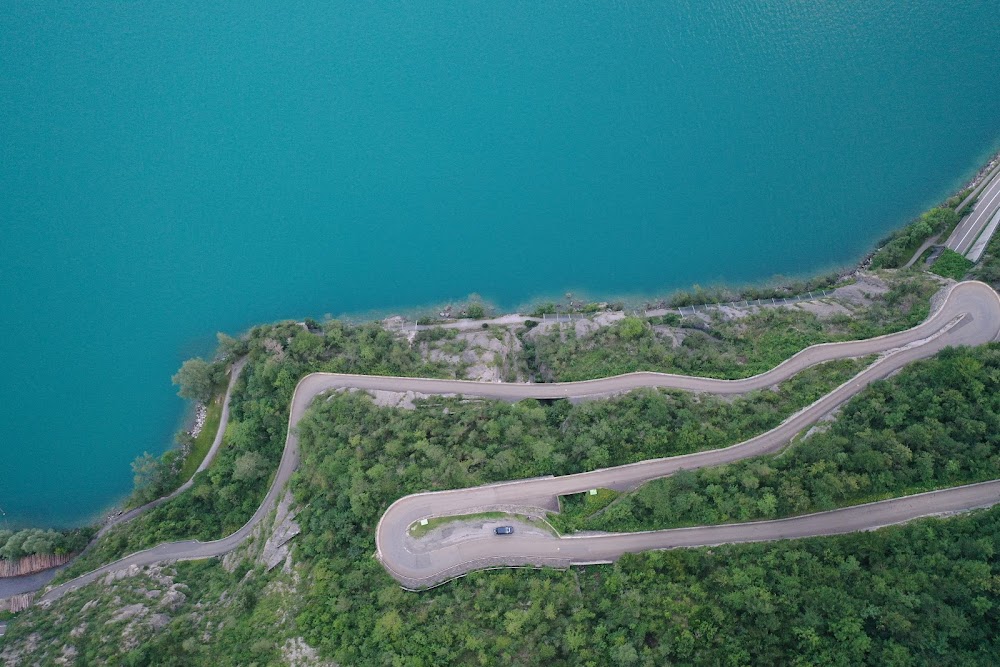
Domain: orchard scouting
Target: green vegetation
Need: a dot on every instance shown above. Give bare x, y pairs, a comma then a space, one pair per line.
223, 497
921, 594
35, 541
447, 443
926, 593
870, 598
418, 530
901, 246
358, 458
435, 334
154, 477
199, 446
951, 265
734, 348
543, 309
195, 613
957, 198
474, 308
198, 379
934, 425
988, 269
776, 289
576, 509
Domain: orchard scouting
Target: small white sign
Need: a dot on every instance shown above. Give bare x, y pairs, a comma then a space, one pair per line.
423, 522
593, 492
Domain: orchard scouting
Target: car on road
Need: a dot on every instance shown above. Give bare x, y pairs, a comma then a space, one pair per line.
503, 530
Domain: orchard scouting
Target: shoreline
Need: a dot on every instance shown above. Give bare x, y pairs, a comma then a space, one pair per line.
907, 346
648, 301
572, 303
991, 164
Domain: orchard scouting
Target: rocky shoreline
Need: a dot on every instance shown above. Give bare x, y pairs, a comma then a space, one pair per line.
982, 173
200, 413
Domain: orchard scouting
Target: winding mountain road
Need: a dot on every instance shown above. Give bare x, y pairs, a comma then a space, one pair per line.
969, 315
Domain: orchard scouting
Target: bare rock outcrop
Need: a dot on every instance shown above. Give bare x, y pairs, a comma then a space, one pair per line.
276, 548
297, 653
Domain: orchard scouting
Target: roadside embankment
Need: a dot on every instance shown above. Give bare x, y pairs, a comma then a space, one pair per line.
16, 603
31, 564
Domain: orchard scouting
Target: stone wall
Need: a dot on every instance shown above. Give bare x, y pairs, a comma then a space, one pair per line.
30, 564
16, 603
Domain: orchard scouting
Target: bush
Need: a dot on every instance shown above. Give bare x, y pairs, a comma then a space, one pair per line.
631, 328
898, 250
543, 309
951, 265
989, 265
728, 348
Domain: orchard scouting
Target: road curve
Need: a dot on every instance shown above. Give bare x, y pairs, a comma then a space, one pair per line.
969, 315
429, 568
958, 322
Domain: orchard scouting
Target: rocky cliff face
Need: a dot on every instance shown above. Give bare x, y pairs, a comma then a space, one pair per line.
30, 564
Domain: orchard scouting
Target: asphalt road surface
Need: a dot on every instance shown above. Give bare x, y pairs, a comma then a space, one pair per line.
968, 230
26, 583
970, 315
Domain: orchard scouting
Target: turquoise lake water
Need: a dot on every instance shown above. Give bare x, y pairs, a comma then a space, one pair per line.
169, 170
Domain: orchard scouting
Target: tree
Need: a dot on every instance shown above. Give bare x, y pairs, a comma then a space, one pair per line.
229, 347
248, 467
150, 476
631, 328
197, 379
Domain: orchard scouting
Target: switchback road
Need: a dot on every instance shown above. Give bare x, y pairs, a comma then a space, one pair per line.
969, 315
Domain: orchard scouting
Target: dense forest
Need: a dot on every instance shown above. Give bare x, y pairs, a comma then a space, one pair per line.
936, 424
923, 594
926, 593
920, 594
835, 601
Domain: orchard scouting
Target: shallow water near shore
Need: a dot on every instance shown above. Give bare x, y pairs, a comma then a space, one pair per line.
171, 170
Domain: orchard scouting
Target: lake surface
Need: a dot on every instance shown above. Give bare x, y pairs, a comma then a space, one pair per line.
169, 170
